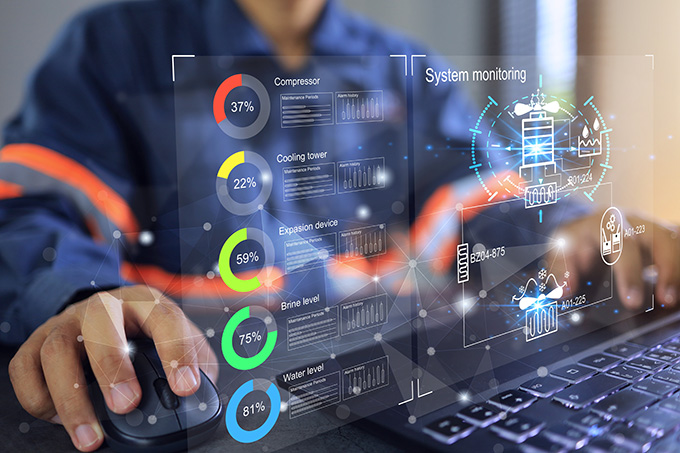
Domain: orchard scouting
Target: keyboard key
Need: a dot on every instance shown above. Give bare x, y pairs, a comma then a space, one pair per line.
672, 376
589, 423
606, 446
512, 400
566, 435
540, 444
646, 364
481, 415
600, 362
632, 437
655, 387
625, 350
449, 429
672, 346
667, 445
628, 373
517, 428
663, 355
587, 392
656, 421
621, 404
573, 373
671, 404
543, 387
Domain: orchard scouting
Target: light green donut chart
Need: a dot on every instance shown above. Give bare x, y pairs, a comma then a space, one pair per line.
231, 280
248, 363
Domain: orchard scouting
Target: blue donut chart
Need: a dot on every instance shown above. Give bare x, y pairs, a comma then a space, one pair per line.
244, 436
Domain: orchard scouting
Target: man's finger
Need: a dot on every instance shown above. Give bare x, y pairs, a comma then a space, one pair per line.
26, 374
667, 262
628, 275
103, 330
207, 360
61, 362
163, 321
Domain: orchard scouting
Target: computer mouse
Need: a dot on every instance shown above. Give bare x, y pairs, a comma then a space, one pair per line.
163, 421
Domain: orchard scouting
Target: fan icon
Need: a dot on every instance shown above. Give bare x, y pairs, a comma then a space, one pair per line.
542, 274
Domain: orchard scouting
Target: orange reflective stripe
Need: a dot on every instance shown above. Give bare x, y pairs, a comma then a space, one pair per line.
192, 286
9, 190
68, 171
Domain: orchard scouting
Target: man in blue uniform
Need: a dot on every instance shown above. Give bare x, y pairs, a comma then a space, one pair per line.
79, 180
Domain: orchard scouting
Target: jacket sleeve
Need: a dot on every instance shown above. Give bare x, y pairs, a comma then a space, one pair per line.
65, 183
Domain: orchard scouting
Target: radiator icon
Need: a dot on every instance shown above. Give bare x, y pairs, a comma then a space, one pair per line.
541, 320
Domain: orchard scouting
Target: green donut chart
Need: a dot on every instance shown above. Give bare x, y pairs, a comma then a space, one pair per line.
248, 363
227, 274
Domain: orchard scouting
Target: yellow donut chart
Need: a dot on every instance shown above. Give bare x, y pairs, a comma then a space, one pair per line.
264, 187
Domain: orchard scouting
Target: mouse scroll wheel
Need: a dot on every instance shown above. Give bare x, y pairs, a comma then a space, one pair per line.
168, 399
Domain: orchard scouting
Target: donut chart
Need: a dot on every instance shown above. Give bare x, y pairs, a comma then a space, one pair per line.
229, 128
222, 184
241, 435
248, 363
224, 265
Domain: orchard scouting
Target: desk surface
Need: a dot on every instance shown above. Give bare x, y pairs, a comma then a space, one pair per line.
21, 432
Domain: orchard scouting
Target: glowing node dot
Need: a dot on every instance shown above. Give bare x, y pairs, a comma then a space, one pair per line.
412, 263
173, 364
377, 337
146, 238
111, 385
5, 327
24, 427
459, 206
412, 419
152, 419
267, 320
226, 309
482, 294
561, 242
116, 234
92, 282
76, 385
202, 407
422, 313
430, 351
156, 301
376, 278
464, 397
210, 275
542, 371
260, 207
487, 347
333, 356
210, 333
207, 226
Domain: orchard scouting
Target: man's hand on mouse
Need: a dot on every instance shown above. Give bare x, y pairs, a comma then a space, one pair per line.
660, 242
47, 371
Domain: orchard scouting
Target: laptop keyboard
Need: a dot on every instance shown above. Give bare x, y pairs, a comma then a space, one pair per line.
625, 399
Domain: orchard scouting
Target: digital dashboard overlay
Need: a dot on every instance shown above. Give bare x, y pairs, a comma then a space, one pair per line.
371, 231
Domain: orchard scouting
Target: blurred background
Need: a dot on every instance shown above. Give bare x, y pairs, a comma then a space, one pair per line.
545, 28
